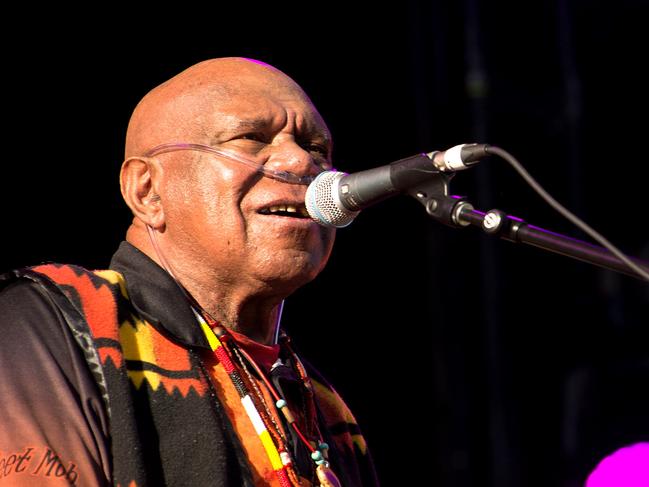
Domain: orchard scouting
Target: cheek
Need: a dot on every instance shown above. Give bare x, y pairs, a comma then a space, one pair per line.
217, 193
206, 211
222, 224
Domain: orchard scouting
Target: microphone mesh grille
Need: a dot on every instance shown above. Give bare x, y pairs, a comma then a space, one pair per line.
322, 202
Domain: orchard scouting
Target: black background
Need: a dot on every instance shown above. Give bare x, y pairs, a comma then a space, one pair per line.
468, 361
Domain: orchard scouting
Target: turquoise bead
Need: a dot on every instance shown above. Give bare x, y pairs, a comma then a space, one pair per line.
316, 455
323, 446
280, 403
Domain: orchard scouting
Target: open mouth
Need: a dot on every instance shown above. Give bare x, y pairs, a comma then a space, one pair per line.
288, 210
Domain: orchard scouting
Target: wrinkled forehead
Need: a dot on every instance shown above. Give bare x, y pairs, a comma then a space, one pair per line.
257, 106
261, 112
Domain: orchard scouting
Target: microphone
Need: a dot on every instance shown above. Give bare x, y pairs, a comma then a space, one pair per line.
334, 198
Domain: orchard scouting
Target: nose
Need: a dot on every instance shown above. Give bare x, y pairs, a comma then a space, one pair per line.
291, 157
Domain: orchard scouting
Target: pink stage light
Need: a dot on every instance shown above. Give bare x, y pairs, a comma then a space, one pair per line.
626, 467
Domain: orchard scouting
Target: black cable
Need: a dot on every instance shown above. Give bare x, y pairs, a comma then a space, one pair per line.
564, 211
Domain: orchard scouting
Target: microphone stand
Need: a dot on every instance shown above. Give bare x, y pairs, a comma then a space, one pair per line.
457, 212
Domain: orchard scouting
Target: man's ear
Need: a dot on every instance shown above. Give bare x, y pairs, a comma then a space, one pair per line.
139, 179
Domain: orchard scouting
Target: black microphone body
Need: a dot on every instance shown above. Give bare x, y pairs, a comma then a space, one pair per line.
364, 188
334, 198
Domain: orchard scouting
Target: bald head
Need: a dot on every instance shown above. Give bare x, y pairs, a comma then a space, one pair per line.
183, 108
215, 220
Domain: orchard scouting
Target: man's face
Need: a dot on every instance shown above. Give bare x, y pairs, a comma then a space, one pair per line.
241, 224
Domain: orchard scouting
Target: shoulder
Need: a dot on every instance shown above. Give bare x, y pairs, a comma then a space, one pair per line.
38, 343
52, 302
27, 312
331, 402
66, 284
343, 431
33, 325
326, 394
334, 409
40, 304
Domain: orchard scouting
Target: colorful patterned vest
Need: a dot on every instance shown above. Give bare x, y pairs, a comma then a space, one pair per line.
168, 421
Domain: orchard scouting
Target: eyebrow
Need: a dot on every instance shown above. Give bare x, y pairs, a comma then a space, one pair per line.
250, 124
259, 124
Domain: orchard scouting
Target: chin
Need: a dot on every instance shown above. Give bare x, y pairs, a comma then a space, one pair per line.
294, 273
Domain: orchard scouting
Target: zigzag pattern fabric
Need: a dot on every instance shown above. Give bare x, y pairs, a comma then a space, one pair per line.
172, 418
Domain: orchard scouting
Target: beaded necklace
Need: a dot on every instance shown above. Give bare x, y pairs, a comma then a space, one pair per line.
275, 445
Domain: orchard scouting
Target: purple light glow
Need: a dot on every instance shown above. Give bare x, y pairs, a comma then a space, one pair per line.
626, 467
257, 61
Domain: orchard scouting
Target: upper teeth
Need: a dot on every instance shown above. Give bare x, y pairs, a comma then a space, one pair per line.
286, 208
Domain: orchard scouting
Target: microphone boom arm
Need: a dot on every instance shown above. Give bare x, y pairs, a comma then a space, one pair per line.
457, 212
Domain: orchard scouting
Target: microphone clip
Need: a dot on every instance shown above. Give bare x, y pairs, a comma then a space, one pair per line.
433, 194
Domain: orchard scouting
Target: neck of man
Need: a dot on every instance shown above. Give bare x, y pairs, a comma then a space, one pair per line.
236, 307
248, 308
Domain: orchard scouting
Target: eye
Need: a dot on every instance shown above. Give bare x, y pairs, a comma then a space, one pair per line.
254, 136
318, 149
320, 154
